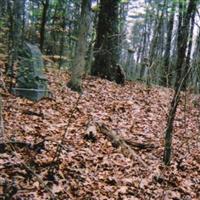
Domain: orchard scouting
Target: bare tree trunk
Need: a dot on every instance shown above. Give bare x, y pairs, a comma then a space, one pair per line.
145, 44
81, 49
166, 77
181, 78
187, 62
15, 36
45, 4
156, 34
106, 46
62, 39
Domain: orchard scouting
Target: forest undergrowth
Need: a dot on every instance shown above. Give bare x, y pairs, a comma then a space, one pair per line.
91, 166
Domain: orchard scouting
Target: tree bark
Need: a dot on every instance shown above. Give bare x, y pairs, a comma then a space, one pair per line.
15, 36
81, 49
166, 77
106, 46
45, 4
181, 78
182, 41
187, 62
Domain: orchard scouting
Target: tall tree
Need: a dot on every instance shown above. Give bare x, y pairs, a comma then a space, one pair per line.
189, 48
45, 4
15, 34
106, 46
166, 76
156, 34
181, 75
81, 49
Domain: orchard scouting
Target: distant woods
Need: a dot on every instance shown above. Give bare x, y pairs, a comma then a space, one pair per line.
75, 34
156, 45
165, 38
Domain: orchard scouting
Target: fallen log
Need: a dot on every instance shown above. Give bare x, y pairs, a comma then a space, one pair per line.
139, 145
118, 141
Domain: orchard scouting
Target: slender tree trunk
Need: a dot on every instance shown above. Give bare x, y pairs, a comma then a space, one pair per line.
90, 51
140, 50
187, 62
81, 48
179, 46
183, 38
45, 4
23, 20
182, 41
144, 47
62, 40
166, 78
196, 62
15, 36
156, 34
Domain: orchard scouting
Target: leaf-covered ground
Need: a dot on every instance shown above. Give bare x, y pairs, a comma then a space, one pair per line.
90, 167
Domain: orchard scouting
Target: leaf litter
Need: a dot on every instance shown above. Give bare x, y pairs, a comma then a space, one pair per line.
90, 166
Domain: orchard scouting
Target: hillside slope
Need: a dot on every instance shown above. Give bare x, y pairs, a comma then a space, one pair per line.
90, 166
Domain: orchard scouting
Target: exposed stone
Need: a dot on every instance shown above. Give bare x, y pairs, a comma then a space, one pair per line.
31, 82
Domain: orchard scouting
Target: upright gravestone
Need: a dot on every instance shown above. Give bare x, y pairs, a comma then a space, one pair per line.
31, 82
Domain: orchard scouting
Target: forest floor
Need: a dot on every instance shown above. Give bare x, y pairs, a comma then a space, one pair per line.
112, 144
